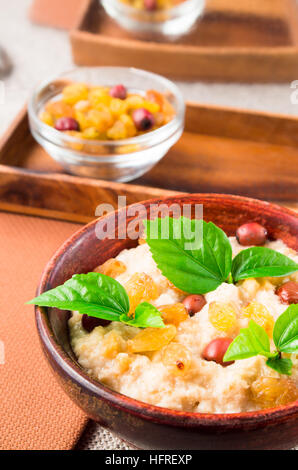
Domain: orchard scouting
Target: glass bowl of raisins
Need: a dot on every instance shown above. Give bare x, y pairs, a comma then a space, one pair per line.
155, 19
112, 123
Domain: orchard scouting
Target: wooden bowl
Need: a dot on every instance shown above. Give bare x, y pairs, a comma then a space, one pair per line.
143, 425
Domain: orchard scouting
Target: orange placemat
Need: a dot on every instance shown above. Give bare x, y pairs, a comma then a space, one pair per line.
34, 413
58, 13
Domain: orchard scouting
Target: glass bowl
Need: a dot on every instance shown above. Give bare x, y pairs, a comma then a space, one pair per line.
169, 23
115, 160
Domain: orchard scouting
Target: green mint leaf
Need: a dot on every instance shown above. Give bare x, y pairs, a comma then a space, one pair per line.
281, 365
250, 342
194, 255
285, 332
146, 315
95, 294
260, 261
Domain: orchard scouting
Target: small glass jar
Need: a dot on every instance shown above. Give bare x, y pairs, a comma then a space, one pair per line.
115, 160
169, 23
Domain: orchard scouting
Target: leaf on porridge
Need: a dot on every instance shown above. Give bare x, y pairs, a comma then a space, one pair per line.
250, 342
285, 333
146, 316
194, 255
260, 261
94, 294
281, 365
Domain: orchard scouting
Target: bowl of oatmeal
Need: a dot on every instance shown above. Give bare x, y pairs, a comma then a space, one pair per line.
183, 382
112, 123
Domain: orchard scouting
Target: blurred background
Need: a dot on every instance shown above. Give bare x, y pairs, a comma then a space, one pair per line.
36, 51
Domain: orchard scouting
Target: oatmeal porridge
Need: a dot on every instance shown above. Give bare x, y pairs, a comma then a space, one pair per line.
176, 367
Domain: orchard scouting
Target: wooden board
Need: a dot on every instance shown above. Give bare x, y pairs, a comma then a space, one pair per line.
222, 150
248, 40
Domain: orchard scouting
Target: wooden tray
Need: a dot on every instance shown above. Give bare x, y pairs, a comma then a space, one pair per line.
222, 150
248, 40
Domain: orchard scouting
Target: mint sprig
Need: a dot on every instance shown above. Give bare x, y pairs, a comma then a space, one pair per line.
99, 296
145, 315
285, 333
250, 342
196, 256
198, 269
260, 261
254, 341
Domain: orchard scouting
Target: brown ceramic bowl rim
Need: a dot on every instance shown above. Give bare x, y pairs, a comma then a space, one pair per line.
152, 412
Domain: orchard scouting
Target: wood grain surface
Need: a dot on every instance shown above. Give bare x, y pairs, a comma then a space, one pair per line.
240, 41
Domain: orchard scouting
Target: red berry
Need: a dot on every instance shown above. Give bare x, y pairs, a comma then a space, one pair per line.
288, 293
150, 5
194, 303
251, 234
89, 323
118, 91
67, 124
216, 349
143, 119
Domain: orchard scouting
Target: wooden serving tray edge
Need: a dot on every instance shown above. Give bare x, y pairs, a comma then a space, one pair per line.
241, 64
52, 190
73, 198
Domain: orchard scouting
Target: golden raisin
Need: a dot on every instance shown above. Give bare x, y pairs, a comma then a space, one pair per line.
164, 105
123, 362
176, 358
98, 96
82, 105
75, 92
112, 345
47, 118
130, 127
266, 284
122, 149
101, 120
81, 117
150, 106
59, 109
117, 107
173, 314
222, 316
117, 131
140, 288
134, 102
249, 288
259, 313
159, 119
112, 267
151, 339
269, 392
155, 97
91, 133
76, 145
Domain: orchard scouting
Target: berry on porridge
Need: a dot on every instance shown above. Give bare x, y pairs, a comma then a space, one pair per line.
210, 329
